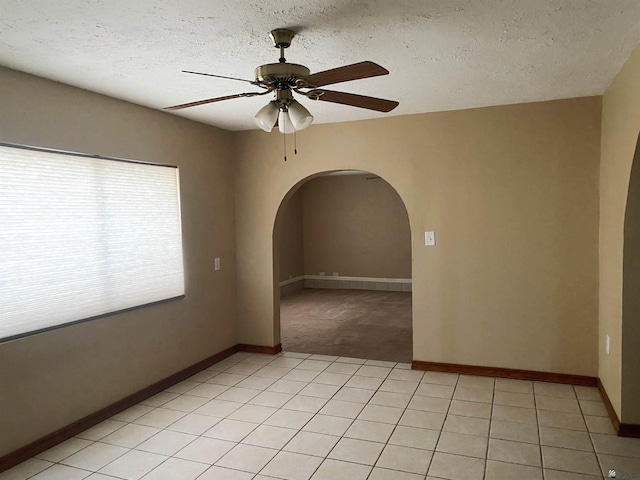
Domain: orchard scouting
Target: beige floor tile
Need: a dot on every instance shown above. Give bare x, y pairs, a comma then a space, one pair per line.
417, 418
405, 459
194, 424
256, 383
399, 386
328, 425
390, 399
587, 393
625, 467
130, 414
301, 375
107, 427
25, 469
205, 450
133, 465
287, 386
310, 443
95, 456
511, 471
470, 409
343, 368
166, 442
406, 375
217, 408
292, 466
467, 445
473, 394
302, 403
328, 378
456, 467
514, 386
252, 413
248, 458
269, 436
350, 394
518, 432
289, 419
272, 372
566, 421
423, 438
221, 473
271, 399
476, 381
467, 425
429, 404
373, 371
340, 408
385, 474
613, 445
64, 449
369, 383
556, 437
514, 452
356, 451
185, 403
161, 398
558, 475
319, 390
226, 378
507, 413
433, 390
599, 425
440, 378
352, 360
130, 435
379, 413
557, 404
338, 470
286, 362
61, 472
208, 390
176, 468
593, 408
570, 460
372, 431
514, 399
553, 389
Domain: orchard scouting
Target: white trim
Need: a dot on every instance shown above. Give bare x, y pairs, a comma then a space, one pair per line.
299, 278
347, 279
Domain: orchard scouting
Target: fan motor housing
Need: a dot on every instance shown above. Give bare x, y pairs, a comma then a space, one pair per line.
281, 73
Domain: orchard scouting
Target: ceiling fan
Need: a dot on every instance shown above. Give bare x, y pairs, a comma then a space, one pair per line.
284, 79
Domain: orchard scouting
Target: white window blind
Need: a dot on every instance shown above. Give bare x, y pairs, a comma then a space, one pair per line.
83, 236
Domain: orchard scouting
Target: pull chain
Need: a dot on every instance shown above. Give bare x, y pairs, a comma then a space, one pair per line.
284, 143
295, 142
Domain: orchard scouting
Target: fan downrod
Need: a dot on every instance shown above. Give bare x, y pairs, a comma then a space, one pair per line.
281, 38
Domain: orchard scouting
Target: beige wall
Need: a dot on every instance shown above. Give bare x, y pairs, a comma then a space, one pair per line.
291, 245
49, 380
512, 193
356, 227
620, 126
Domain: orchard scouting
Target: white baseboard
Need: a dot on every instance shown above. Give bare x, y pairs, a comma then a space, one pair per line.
346, 283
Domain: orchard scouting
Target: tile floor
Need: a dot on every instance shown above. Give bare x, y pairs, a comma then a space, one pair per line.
297, 417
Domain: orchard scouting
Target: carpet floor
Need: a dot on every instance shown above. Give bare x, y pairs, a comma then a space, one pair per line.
348, 323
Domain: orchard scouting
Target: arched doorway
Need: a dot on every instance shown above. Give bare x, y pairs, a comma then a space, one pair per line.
631, 298
342, 264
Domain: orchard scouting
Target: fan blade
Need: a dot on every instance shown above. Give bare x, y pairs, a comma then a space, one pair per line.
220, 76
370, 103
344, 74
211, 100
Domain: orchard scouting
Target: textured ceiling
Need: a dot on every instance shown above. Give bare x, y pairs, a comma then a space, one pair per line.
442, 54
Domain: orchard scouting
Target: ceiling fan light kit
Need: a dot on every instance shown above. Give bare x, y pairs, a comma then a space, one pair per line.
284, 79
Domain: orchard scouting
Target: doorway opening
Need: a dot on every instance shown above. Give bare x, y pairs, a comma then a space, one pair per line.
342, 265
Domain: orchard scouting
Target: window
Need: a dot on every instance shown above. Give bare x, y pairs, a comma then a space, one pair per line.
84, 236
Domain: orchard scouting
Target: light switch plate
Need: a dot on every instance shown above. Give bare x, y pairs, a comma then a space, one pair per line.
216, 263
430, 238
